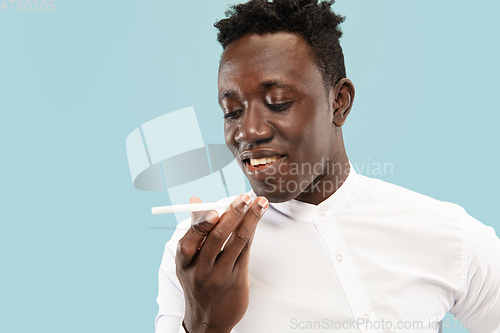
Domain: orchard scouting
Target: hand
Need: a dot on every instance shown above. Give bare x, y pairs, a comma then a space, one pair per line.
215, 281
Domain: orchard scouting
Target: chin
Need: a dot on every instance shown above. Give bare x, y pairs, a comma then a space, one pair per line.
274, 195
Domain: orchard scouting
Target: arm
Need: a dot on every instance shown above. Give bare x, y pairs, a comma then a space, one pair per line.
170, 296
478, 304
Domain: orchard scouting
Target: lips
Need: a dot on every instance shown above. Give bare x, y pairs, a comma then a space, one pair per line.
256, 154
261, 164
264, 160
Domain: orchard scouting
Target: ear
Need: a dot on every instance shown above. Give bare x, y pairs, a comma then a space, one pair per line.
342, 98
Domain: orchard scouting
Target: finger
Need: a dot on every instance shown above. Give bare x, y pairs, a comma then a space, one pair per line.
188, 245
199, 220
201, 225
200, 215
220, 233
238, 246
242, 262
242, 231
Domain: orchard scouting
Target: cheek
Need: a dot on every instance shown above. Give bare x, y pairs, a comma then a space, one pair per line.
300, 132
310, 140
229, 133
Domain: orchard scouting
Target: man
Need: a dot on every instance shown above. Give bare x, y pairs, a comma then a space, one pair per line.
314, 246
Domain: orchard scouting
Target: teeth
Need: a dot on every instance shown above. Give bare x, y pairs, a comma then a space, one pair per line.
264, 160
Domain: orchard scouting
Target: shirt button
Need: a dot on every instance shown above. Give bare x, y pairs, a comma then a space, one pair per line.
321, 213
366, 317
339, 258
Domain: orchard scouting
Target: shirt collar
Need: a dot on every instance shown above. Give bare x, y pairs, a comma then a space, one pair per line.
301, 211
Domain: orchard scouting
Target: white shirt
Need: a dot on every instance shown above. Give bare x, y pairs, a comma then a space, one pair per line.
373, 257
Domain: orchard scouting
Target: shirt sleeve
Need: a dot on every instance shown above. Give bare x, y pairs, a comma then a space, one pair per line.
477, 306
170, 295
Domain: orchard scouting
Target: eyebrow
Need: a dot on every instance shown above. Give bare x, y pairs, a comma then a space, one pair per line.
266, 85
226, 94
277, 84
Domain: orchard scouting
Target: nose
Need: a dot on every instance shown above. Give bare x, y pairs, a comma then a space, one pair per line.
254, 127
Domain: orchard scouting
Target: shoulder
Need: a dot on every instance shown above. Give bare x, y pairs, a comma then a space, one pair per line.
404, 199
477, 301
416, 222
441, 232
400, 199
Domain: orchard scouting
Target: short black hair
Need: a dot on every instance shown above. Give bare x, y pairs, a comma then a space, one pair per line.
316, 22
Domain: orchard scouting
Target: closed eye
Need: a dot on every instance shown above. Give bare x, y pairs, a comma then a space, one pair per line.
232, 114
280, 107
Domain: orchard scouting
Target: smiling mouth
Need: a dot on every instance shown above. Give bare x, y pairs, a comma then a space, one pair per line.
263, 161
261, 164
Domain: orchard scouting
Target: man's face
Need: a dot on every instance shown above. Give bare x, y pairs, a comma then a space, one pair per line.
278, 114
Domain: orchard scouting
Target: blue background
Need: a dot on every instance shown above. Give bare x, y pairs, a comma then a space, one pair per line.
79, 248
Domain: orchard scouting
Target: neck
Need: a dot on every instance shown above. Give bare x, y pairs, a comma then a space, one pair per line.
334, 174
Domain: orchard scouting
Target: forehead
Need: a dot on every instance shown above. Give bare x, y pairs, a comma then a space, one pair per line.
282, 57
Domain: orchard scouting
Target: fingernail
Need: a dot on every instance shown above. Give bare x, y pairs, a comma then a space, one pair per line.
236, 202
242, 198
246, 199
263, 203
212, 217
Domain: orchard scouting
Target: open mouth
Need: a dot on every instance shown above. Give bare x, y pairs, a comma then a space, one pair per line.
254, 164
